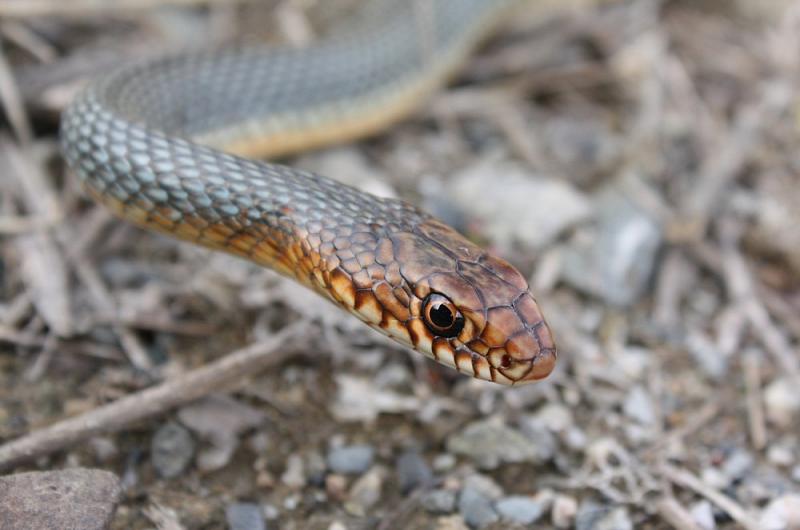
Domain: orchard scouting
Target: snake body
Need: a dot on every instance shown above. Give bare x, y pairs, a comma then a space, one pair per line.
148, 141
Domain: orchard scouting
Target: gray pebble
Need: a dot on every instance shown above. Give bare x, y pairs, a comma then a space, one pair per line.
476, 508
520, 509
245, 516
171, 450
738, 464
593, 516
439, 501
703, 514
639, 407
412, 471
614, 260
70, 498
490, 444
350, 459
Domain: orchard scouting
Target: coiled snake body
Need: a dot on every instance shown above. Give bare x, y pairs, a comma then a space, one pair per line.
144, 140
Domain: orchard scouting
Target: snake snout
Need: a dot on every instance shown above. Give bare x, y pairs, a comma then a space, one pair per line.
522, 349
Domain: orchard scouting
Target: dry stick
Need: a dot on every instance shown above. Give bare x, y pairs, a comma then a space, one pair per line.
12, 102
151, 401
684, 478
676, 515
755, 410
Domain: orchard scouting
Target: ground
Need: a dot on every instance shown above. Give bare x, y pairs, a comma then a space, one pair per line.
636, 160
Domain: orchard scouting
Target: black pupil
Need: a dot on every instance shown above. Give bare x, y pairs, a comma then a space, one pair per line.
441, 315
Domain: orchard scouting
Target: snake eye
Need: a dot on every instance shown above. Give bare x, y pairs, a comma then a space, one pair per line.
441, 316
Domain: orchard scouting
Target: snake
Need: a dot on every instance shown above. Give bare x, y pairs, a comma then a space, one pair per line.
176, 144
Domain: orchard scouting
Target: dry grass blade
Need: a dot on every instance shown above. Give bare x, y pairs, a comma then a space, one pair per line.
686, 479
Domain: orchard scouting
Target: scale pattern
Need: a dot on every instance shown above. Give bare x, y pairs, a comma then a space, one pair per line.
146, 142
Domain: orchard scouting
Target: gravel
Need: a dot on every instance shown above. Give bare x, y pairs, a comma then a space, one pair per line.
520, 509
245, 516
490, 444
350, 459
412, 471
171, 450
439, 501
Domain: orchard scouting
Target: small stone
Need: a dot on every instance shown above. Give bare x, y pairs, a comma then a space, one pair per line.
638, 406
476, 508
69, 498
171, 450
294, 476
614, 259
505, 207
782, 513
350, 459
738, 464
439, 501
412, 471
564, 511
780, 455
520, 509
365, 492
488, 487
782, 402
593, 516
271, 512
452, 522
444, 462
489, 444
703, 514
555, 416
336, 487
540, 437
245, 516
219, 420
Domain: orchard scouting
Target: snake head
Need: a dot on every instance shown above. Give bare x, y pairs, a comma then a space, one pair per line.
465, 308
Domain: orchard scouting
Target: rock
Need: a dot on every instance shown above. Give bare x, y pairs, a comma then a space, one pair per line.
782, 402
359, 399
703, 514
489, 444
350, 459
737, 465
782, 513
593, 516
564, 511
71, 498
476, 508
519, 206
453, 522
439, 501
220, 420
614, 259
488, 487
294, 476
171, 450
245, 516
365, 492
412, 471
638, 406
520, 508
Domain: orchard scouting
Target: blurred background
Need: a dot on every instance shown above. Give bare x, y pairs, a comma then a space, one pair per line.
636, 160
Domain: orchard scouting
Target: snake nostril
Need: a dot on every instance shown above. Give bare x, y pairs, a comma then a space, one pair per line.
505, 362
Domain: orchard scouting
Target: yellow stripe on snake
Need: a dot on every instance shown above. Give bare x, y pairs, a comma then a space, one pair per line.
161, 144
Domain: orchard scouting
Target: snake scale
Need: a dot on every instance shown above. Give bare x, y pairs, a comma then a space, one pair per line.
164, 145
